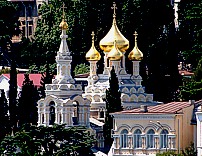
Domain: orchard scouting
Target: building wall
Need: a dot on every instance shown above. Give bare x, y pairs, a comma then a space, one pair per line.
180, 131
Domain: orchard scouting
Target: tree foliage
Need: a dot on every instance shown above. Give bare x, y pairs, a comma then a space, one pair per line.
113, 104
81, 69
27, 102
56, 140
8, 22
190, 31
192, 89
13, 95
45, 79
4, 122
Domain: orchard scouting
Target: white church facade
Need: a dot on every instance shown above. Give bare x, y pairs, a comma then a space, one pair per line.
63, 103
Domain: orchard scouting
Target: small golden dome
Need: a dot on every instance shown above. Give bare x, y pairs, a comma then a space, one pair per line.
115, 54
135, 54
106, 44
63, 25
93, 54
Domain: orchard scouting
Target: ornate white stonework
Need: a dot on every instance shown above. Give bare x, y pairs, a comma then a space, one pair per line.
63, 103
133, 93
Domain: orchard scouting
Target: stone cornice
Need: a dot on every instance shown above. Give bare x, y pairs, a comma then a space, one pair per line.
143, 116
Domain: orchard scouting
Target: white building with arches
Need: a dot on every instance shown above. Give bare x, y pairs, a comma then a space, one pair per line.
64, 103
153, 129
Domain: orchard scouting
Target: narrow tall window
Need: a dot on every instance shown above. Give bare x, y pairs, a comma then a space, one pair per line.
52, 113
137, 142
150, 139
124, 139
164, 139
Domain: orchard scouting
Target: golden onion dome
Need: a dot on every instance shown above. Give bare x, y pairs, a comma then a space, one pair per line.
93, 54
63, 25
106, 44
135, 54
115, 54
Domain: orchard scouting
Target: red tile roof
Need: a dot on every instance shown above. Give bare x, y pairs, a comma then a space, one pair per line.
185, 73
36, 78
168, 108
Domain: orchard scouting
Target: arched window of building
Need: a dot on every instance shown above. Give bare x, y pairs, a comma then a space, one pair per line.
75, 117
150, 139
164, 139
42, 118
52, 113
124, 139
102, 114
137, 139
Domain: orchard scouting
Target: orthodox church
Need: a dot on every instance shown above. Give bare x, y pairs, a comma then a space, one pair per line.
114, 46
64, 103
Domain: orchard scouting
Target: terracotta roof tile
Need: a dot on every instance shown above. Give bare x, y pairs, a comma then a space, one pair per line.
36, 78
168, 108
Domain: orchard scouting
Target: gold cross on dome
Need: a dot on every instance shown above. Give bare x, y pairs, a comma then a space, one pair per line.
114, 7
93, 34
63, 10
135, 34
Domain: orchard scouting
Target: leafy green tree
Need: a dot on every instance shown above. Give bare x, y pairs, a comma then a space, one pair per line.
4, 122
27, 102
56, 140
81, 69
113, 104
190, 30
192, 89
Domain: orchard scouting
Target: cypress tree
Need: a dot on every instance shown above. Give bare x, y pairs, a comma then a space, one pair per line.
113, 104
45, 79
28, 102
13, 95
3, 115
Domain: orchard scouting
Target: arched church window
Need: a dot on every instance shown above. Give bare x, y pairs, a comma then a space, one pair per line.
107, 62
75, 117
137, 139
52, 113
102, 114
150, 139
124, 139
42, 118
60, 118
164, 139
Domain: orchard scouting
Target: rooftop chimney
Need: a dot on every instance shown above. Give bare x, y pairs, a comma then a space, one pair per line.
192, 102
143, 108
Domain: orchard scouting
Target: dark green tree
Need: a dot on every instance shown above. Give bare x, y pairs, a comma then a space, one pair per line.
113, 104
192, 89
4, 122
56, 140
8, 23
27, 104
13, 95
190, 30
45, 79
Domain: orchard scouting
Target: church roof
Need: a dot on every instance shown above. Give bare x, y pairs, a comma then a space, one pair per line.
36, 78
168, 108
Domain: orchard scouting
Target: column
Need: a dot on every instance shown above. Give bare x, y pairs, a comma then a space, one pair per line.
116, 65
136, 68
83, 122
39, 118
47, 118
56, 116
105, 72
